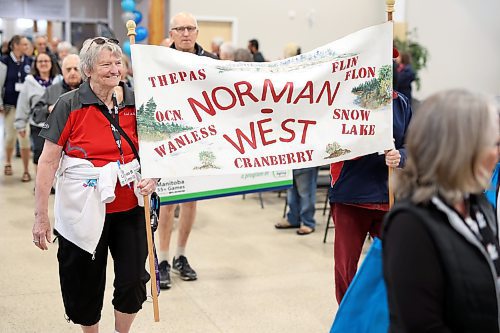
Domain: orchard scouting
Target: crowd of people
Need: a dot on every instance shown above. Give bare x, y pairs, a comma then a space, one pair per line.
50, 95
27, 69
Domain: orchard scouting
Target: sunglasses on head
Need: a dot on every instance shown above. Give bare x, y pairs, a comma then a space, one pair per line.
154, 210
103, 40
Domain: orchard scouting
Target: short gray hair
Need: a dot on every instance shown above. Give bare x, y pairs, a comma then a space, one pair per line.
90, 51
218, 41
226, 50
446, 141
64, 46
185, 14
243, 55
69, 57
39, 35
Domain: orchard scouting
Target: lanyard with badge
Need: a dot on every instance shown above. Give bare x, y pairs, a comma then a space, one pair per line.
19, 84
485, 235
127, 173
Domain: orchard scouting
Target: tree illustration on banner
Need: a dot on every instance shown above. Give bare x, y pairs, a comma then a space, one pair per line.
377, 92
335, 150
207, 159
150, 129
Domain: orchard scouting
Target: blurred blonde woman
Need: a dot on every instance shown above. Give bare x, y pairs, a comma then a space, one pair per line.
440, 241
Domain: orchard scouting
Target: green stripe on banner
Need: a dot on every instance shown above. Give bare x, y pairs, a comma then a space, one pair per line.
225, 191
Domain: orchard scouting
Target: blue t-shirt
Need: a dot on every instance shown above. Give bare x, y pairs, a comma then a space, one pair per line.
492, 191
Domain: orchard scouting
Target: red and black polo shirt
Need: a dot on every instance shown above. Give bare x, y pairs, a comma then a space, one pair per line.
77, 125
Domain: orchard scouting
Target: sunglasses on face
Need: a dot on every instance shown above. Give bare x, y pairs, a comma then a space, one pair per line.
103, 40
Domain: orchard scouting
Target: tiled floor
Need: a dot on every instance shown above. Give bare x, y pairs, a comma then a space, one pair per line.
252, 278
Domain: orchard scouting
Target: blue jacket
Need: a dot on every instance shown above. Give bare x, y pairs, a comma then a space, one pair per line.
405, 77
492, 191
364, 180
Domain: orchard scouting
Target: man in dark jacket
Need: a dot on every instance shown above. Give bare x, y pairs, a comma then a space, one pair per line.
15, 66
406, 75
71, 80
253, 46
359, 196
183, 34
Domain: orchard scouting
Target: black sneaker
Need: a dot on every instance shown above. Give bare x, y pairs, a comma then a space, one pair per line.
181, 267
164, 268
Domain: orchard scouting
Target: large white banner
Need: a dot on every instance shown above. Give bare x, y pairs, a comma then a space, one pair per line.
198, 116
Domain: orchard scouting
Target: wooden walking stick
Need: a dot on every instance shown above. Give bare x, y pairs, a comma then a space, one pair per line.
149, 234
389, 7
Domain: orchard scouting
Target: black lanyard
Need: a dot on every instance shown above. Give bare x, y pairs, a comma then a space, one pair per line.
113, 120
488, 239
114, 130
20, 67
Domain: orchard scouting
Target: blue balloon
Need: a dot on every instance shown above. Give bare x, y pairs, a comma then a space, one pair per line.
128, 5
138, 17
126, 47
142, 34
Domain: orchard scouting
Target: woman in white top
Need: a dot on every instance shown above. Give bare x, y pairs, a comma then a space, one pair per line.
43, 74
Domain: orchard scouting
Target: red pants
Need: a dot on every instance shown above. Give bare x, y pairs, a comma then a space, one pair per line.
352, 223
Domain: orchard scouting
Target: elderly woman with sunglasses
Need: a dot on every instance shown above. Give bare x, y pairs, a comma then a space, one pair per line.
98, 191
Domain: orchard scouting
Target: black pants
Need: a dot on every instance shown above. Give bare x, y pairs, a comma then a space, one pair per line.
37, 142
83, 278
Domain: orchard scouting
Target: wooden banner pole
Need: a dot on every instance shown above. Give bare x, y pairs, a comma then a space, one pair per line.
149, 234
389, 7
